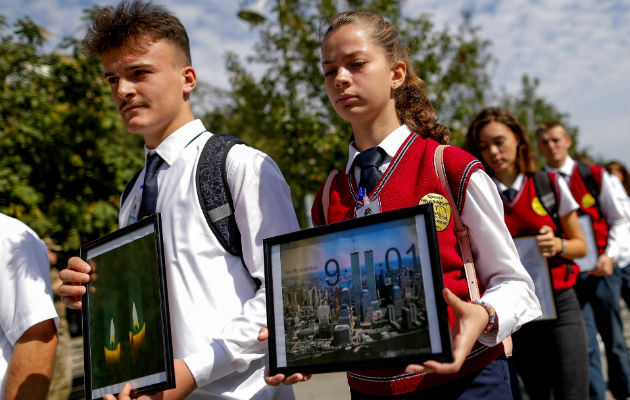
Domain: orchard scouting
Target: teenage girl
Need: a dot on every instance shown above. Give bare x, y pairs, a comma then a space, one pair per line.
617, 169
551, 356
371, 84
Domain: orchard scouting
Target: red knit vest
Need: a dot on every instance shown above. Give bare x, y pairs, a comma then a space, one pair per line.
525, 216
588, 205
409, 180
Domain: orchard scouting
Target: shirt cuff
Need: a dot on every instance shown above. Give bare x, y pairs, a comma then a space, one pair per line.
612, 253
508, 319
209, 365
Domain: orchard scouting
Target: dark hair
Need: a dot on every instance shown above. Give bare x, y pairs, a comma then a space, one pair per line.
545, 126
624, 172
525, 162
413, 107
130, 23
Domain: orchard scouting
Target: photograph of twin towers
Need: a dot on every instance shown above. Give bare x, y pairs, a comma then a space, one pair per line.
359, 294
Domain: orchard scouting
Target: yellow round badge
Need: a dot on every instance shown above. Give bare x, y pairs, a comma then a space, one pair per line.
588, 201
441, 209
538, 207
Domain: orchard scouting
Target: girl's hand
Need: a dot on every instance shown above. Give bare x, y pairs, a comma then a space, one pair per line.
470, 321
604, 267
548, 242
280, 378
124, 395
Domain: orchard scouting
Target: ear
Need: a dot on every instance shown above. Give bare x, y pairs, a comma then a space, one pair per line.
189, 78
399, 73
568, 138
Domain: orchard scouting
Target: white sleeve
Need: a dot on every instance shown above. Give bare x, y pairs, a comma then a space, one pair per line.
25, 292
263, 208
508, 286
566, 202
610, 195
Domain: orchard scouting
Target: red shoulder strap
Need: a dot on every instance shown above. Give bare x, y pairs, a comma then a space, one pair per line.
461, 231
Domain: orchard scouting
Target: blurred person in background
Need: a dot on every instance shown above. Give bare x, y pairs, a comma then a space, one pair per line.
598, 289
28, 333
497, 138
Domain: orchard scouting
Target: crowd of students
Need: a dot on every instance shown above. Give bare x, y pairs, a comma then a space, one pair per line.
218, 313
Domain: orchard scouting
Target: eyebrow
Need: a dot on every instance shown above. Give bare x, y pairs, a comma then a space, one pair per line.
354, 53
129, 68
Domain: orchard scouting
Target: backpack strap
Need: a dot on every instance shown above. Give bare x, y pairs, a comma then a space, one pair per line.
589, 180
129, 187
546, 193
461, 231
214, 194
326, 193
215, 197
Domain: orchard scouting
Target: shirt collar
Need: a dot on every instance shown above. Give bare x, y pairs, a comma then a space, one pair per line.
566, 168
172, 146
516, 185
390, 144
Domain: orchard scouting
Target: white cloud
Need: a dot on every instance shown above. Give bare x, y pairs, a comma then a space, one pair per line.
580, 50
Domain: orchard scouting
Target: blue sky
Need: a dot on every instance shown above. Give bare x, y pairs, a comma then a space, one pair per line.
580, 50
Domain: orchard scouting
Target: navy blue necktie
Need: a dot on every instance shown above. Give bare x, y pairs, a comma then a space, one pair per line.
369, 161
150, 186
509, 194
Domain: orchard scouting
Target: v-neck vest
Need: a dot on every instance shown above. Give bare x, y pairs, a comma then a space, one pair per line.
410, 179
525, 215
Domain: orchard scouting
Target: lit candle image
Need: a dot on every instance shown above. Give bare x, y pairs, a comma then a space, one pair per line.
112, 347
137, 332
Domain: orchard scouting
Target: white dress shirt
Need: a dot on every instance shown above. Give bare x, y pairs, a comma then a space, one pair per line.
25, 292
215, 310
565, 201
509, 288
618, 246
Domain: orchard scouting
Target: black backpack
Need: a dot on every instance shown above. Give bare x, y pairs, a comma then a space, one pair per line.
214, 194
547, 195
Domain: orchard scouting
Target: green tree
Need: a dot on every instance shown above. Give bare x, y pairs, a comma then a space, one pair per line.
64, 154
532, 110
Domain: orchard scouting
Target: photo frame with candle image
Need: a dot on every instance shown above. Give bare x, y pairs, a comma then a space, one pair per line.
126, 326
357, 294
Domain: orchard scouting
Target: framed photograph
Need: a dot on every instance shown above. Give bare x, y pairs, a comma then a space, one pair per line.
589, 261
362, 293
126, 329
538, 268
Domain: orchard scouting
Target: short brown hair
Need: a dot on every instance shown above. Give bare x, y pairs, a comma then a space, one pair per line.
129, 23
413, 106
545, 126
525, 162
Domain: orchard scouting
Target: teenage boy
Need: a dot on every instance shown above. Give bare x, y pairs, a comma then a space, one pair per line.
28, 332
216, 307
598, 290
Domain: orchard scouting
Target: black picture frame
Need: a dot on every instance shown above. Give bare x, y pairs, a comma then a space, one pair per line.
310, 275
539, 270
125, 314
